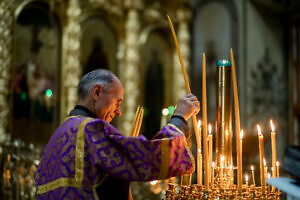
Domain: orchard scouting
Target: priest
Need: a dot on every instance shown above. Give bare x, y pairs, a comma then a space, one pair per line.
88, 158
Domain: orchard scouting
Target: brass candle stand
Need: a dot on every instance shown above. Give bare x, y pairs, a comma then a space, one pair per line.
216, 191
222, 183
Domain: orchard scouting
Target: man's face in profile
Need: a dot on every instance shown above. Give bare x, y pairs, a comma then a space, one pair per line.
109, 103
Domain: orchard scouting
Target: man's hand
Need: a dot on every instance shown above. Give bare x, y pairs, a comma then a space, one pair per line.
187, 106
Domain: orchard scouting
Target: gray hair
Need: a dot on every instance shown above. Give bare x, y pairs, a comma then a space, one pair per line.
98, 76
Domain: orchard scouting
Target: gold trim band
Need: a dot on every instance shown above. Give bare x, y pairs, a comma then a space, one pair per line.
73, 182
165, 159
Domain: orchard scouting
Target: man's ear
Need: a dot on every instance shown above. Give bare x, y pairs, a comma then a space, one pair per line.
97, 91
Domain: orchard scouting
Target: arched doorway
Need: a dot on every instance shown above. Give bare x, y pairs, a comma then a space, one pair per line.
98, 45
36, 77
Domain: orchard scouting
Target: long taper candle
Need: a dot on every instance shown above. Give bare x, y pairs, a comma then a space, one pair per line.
240, 165
246, 179
187, 85
199, 156
277, 168
137, 132
213, 172
210, 149
274, 153
236, 107
134, 122
221, 169
204, 118
261, 157
252, 173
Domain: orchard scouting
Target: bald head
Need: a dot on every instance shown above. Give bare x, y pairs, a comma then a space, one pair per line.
100, 76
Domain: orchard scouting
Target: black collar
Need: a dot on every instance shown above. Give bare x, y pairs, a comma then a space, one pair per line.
81, 110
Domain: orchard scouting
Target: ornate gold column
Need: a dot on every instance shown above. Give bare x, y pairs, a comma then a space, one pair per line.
6, 46
129, 74
184, 37
71, 53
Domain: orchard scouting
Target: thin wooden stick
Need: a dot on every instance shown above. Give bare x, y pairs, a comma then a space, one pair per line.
187, 85
134, 122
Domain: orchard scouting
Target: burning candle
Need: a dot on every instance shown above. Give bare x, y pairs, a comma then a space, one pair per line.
240, 166
221, 169
277, 168
274, 152
261, 157
230, 174
213, 172
209, 149
204, 118
253, 177
246, 179
199, 156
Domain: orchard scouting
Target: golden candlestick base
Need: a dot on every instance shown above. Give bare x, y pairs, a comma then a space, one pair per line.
215, 192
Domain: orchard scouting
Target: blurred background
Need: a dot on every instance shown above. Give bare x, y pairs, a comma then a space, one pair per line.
47, 45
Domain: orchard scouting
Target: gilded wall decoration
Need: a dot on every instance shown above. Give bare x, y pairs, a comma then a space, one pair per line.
6, 41
130, 72
71, 54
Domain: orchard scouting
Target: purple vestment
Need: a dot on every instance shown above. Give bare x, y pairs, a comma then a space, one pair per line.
83, 151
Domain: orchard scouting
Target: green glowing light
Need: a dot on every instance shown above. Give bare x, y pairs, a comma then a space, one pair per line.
171, 110
48, 93
23, 95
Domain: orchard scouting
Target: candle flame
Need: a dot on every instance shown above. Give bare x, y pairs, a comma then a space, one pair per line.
199, 150
272, 168
277, 163
241, 134
213, 164
272, 125
222, 159
209, 128
252, 167
230, 167
269, 175
153, 182
165, 111
246, 177
265, 163
199, 124
258, 130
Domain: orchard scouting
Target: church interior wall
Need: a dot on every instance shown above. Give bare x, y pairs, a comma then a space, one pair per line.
266, 72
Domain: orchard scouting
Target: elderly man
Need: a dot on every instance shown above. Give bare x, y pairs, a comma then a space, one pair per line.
87, 158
